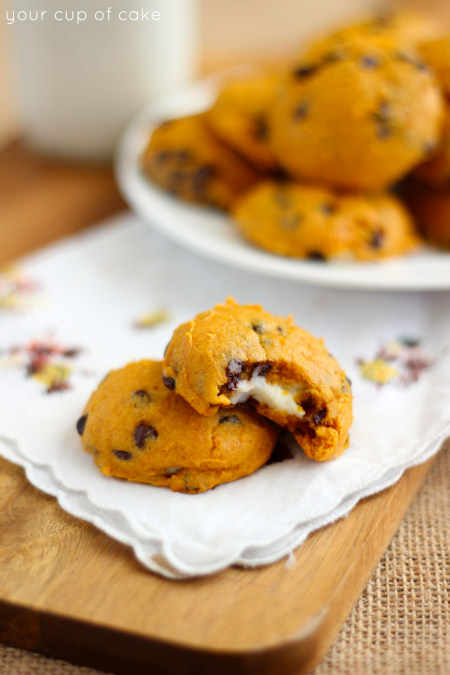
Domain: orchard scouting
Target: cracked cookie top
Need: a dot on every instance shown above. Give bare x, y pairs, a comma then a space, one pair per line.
238, 353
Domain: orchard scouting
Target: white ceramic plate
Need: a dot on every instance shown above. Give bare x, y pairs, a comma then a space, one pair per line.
211, 233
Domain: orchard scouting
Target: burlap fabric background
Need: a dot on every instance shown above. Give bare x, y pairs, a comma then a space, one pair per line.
401, 623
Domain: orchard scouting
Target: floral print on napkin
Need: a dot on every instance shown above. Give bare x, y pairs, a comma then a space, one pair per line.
17, 291
152, 319
45, 361
401, 361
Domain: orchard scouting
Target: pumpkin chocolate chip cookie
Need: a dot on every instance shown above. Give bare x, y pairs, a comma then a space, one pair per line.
184, 158
355, 119
301, 221
239, 116
407, 28
139, 430
237, 353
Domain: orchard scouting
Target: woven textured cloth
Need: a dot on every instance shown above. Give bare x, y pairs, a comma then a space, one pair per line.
401, 623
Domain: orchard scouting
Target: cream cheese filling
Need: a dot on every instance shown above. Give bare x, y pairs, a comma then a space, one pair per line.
280, 398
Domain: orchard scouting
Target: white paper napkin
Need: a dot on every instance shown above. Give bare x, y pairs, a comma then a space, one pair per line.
93, 302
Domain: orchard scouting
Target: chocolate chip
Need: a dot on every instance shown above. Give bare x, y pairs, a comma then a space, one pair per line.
316, 255
334, 56
368, 61
230, 419
319, 416
200, 178
122, 454
162, 157
377, 239
141, 393
383, 132
301, 111
258, 328
384, 112
290, 221
181, 155
141, 398
261, 369
420, 65
328, 208
81, 424
401, 56
169, 382
308, 405
204, 172
260, 128
234, 370
142, 432
281, 330
305, 70
412, 59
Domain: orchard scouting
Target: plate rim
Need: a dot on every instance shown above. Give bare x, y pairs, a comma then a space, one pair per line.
139, 194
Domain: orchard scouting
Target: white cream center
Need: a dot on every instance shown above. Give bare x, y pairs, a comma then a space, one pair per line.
269, 393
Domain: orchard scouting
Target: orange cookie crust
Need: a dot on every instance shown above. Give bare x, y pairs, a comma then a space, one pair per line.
239, 116
301, 221
138, 430
184, 158
356, 118
234, 353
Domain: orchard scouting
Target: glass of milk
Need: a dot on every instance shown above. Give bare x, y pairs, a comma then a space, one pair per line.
83, 69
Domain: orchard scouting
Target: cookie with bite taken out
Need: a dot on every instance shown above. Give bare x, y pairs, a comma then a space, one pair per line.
235, 353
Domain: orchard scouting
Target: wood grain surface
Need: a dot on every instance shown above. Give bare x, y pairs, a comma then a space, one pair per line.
70, 591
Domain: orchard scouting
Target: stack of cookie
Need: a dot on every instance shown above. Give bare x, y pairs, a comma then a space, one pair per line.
231, 379
428, 190
305, 156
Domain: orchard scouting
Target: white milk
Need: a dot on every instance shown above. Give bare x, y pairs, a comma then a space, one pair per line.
81, 76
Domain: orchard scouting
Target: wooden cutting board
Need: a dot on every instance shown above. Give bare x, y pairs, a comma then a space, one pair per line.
70, 591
